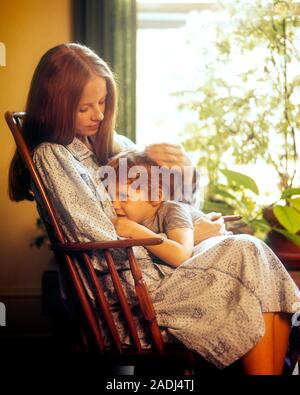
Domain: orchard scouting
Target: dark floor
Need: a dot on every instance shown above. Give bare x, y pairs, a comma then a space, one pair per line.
36, 328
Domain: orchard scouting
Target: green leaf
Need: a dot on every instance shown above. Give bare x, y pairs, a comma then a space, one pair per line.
295, 203
225, 194
288, 217
260, 224
291, 236
218, 207
290, 192
240, 179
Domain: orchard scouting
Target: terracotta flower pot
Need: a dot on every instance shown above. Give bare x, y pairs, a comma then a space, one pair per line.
285, 249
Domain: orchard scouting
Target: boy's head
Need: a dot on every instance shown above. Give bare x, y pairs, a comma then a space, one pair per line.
138, 192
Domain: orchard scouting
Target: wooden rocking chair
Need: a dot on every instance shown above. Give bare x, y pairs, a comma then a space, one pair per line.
160, 354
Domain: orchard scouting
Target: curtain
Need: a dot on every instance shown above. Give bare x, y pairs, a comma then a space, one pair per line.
109, 27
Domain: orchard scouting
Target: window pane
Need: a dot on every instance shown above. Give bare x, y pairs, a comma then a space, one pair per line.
169, 62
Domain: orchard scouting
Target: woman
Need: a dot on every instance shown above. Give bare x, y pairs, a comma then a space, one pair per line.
232, 298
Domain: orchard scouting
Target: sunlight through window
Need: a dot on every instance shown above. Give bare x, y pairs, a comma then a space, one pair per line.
172, 37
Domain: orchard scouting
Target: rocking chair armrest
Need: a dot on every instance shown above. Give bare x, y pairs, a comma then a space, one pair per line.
103, 245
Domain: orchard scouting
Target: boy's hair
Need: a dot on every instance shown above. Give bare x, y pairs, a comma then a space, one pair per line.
137, 159
160, 179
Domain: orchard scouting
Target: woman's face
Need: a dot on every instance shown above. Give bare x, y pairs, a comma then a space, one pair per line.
91, 108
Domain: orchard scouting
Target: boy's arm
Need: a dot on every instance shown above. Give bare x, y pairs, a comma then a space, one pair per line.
174, 250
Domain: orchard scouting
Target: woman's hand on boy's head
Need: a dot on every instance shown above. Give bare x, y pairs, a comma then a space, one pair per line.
165, 154
124, 226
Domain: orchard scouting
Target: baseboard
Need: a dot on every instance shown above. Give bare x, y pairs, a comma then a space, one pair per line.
12, 292
24, 316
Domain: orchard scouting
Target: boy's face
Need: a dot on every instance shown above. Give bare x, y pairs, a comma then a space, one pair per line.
133, 204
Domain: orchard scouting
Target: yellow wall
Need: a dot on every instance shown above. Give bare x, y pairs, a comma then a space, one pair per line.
27, 28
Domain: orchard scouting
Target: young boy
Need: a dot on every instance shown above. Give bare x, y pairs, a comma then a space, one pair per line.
141, 217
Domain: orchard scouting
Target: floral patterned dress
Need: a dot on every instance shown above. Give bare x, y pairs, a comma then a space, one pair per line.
212, 303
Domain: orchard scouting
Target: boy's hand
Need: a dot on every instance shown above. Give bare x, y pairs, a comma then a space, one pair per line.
124, 226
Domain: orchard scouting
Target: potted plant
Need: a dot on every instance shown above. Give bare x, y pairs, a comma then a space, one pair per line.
237, 194
41, 238
243, 97
284, 218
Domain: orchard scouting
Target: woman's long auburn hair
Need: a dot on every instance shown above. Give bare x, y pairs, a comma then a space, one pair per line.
56, 88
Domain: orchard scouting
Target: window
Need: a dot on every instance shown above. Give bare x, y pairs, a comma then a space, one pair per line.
166, 65
161, 67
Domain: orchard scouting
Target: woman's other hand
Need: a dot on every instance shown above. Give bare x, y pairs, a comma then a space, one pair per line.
205, 227
213, 215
